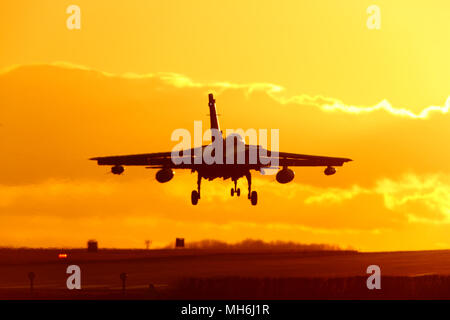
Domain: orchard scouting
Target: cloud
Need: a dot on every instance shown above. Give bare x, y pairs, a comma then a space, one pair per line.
405, 197
423, 199
116, 207
274, 91
386, 106
334, 195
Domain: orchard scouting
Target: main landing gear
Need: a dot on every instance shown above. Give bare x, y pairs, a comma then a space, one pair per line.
195, 194
252, 195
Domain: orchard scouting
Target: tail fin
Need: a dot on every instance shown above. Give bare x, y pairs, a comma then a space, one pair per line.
213, 113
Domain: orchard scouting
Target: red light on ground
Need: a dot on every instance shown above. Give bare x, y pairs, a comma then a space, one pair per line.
62, 255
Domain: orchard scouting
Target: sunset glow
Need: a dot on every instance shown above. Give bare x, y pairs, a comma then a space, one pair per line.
138, 70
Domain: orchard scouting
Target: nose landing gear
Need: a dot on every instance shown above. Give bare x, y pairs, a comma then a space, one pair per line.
235, 190
252, 195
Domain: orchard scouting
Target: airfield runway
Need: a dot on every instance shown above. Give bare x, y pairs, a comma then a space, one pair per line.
162, 270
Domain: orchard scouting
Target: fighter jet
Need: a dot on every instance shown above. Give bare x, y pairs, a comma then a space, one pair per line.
228, 162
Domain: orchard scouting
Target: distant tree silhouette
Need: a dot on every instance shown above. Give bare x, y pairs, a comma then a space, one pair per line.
252, 244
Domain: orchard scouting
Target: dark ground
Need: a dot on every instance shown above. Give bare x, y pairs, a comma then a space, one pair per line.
224, 274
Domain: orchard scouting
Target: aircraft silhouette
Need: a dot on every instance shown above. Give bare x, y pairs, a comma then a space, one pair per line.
222, 167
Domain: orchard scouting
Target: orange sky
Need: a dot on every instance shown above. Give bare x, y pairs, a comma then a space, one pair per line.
137, 71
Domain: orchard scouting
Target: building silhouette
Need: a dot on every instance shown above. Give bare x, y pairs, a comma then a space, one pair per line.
92, 246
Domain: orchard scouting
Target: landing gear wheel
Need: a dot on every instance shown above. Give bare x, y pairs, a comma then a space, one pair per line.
232, 192
254, 198
238, 192
194, 197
